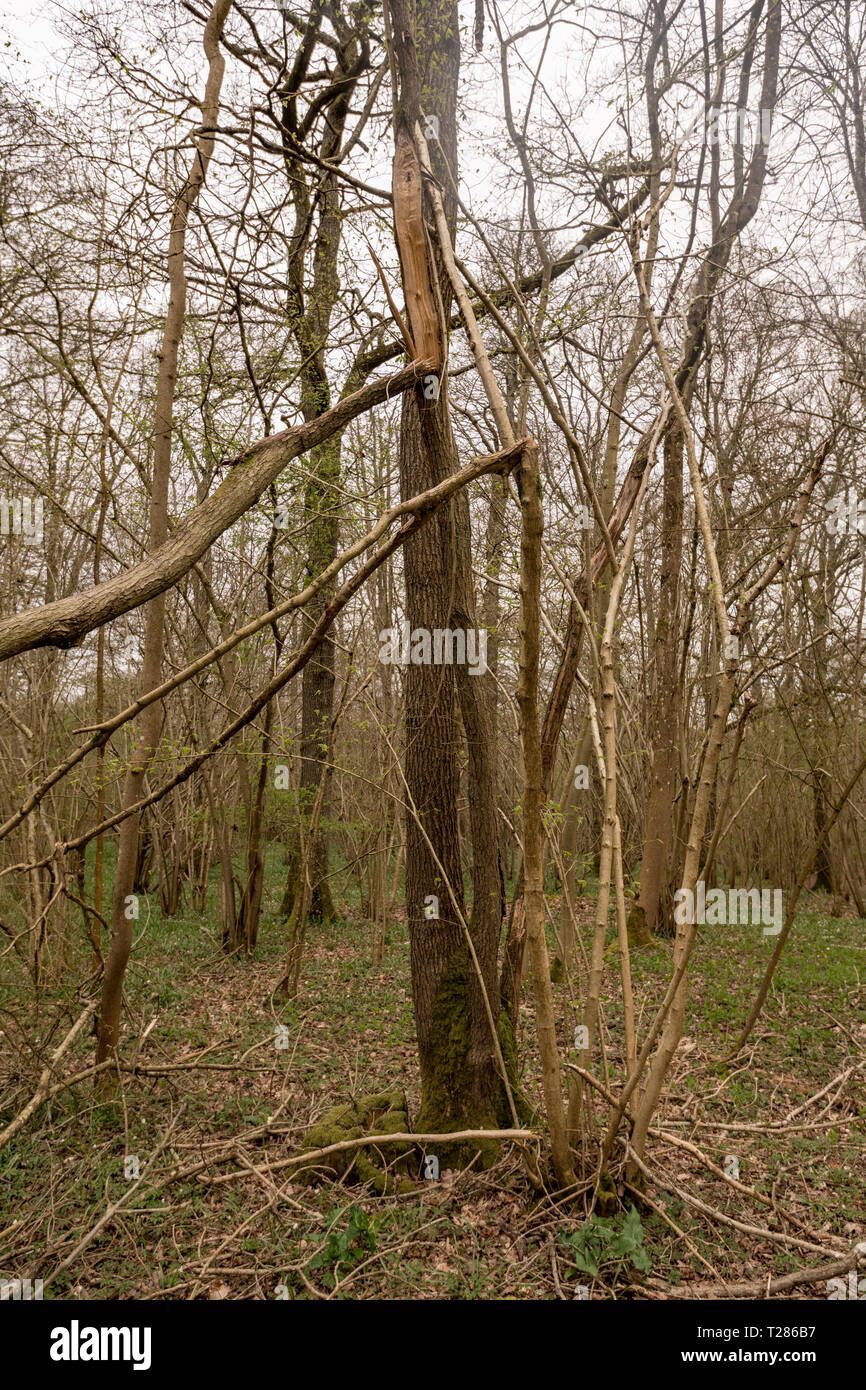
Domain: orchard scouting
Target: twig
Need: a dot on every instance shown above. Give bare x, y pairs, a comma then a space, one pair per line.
43, 1089
111, 1211
761, 1231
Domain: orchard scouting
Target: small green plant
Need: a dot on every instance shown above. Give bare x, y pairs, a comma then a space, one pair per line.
605, 1241
349, 1246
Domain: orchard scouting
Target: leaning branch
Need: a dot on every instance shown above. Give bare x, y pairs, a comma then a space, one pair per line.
418, 509
68, 620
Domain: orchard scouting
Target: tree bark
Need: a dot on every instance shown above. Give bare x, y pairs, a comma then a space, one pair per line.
455, 995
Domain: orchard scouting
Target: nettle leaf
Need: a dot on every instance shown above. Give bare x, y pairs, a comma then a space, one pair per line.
607, 1240
584, 1262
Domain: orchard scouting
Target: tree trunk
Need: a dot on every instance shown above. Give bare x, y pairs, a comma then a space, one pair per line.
454, 994
123, 905
658, 835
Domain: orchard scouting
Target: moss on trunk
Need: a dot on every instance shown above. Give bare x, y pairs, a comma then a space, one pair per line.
461, 1090
322, 907
639, 933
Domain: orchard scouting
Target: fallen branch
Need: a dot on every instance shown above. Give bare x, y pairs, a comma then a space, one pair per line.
763, 1288
718, 1172
379, 1140
134, 1068
111, 1211
778, 1237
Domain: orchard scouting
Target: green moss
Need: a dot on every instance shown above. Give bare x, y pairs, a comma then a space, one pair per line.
449, 1082
638, 931
385, 1113
446, 1075
607, 1202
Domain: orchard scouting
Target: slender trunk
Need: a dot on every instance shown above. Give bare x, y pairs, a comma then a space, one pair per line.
123, 906
658, 834
533, 835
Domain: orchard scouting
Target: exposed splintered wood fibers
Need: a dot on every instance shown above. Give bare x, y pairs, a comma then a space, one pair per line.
413, 247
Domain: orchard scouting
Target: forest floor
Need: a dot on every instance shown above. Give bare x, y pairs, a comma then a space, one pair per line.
791, 1109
